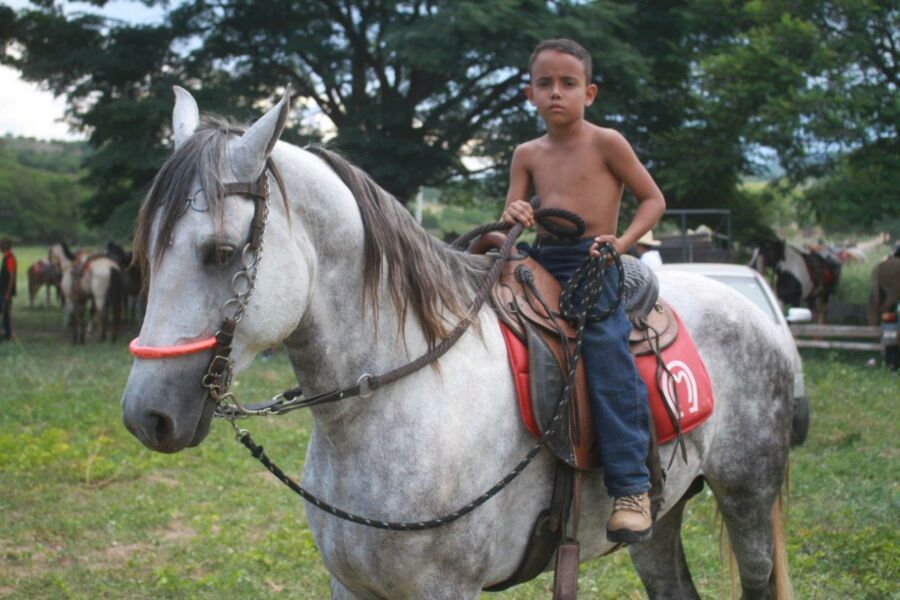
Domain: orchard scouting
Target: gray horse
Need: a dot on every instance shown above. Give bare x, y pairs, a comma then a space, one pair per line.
351, 285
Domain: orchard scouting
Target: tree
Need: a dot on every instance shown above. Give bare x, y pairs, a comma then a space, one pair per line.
405, 85
39, 190
816, 82
705, 90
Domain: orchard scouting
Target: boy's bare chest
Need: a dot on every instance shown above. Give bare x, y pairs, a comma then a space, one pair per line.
578, 176
578, 180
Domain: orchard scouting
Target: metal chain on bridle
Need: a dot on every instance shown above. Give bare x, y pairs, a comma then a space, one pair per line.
218, 376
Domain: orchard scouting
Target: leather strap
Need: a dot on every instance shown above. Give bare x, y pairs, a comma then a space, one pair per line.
546, 533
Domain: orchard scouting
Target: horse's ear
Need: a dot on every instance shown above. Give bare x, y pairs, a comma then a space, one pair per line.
185, 116
250, 152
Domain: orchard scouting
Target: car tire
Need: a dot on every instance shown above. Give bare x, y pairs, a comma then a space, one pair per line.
800, 425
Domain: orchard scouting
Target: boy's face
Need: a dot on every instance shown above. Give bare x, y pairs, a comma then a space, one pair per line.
558, 88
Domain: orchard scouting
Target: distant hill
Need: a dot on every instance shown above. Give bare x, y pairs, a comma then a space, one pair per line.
53, 156
40, 189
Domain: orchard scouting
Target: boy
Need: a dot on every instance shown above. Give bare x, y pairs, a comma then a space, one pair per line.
583, 168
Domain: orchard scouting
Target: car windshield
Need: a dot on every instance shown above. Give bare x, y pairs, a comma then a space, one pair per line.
750, 289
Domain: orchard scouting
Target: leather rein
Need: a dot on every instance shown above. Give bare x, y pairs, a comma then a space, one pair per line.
217, 378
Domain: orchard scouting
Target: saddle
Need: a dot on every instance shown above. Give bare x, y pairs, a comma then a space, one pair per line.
526, 300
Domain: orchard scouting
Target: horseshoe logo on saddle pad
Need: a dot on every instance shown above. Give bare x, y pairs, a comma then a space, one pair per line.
681, 374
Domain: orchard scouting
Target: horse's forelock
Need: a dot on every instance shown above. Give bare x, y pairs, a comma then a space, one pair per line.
201, 156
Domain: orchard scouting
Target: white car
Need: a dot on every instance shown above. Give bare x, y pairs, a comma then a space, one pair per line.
752, 286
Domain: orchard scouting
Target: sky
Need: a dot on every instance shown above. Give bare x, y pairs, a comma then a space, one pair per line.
27, 110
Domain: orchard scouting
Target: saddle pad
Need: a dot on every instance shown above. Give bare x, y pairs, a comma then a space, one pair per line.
689, 378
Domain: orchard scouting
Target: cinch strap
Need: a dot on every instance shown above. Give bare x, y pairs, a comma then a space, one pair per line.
170, 351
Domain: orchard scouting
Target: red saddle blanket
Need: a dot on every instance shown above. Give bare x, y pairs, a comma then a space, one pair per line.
688, 377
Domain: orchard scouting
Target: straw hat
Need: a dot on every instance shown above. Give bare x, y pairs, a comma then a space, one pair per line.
647, 240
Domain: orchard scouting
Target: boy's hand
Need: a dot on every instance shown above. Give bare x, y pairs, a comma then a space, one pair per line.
518, 211
595, 249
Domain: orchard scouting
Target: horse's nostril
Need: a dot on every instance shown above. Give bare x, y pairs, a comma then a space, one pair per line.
160, 427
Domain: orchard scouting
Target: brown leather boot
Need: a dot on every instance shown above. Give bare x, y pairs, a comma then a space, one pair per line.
630, 522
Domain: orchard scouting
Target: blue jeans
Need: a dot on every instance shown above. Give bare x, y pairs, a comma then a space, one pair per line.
618, 395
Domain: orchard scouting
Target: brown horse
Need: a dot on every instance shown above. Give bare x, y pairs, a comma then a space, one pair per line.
885, 291
132, 281
40, 274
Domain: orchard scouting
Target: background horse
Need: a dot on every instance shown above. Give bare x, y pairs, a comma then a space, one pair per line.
800, 276
885, 291
93, 285
132, 282
40, 274
351, 285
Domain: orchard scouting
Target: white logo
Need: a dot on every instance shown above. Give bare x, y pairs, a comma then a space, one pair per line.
681, 374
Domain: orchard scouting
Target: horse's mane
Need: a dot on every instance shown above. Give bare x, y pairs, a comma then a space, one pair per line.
66, 252
422, 273
436, 282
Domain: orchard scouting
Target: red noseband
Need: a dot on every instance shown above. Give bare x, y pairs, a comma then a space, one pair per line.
170, 351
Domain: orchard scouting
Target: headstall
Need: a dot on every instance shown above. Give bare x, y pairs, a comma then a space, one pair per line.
217, 378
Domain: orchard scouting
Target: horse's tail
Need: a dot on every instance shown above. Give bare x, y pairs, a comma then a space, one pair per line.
781, 578
780, 585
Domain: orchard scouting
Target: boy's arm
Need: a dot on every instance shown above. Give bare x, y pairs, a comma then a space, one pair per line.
518, 209
624, 164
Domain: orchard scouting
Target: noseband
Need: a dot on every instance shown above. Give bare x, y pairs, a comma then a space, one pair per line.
217, 378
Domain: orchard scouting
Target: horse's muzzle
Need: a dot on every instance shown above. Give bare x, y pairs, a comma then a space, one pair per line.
164, 406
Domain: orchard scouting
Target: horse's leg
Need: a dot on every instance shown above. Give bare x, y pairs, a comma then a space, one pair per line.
661, 563
101, 314
75, 319
747, 512
33, 287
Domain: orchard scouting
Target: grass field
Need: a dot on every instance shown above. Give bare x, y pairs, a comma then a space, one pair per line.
88, 513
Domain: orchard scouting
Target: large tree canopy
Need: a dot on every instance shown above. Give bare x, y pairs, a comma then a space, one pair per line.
702, 88
404, 85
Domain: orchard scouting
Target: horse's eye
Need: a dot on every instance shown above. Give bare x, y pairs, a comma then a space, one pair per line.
218, 254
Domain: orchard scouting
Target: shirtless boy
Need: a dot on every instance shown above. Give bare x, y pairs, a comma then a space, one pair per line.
584, 168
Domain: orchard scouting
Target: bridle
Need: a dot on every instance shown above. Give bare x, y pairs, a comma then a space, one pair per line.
217, 378
218, 375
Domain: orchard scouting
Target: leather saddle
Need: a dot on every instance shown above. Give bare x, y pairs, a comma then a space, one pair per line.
526, 299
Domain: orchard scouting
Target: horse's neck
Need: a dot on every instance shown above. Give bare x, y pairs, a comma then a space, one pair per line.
342, 335
340, 339
64, 263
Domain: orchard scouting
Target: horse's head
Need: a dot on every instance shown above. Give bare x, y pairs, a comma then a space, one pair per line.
769, 254
117, 253
192, 239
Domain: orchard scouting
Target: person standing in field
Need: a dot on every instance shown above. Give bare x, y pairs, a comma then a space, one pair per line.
7, 285
584, 168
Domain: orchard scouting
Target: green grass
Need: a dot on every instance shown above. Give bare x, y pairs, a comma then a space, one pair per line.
88, 513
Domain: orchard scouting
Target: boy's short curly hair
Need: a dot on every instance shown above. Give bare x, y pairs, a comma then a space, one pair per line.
566, 46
